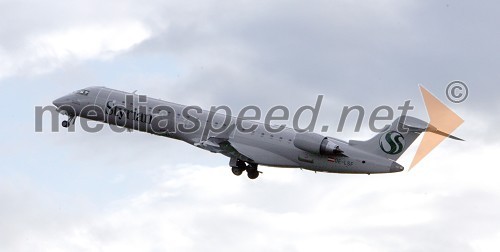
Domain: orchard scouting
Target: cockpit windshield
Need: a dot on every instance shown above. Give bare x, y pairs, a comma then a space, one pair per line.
82, 92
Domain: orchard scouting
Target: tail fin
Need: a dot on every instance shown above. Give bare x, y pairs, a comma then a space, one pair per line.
395, 139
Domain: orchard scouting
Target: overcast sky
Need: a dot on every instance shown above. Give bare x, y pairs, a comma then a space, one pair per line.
137, 192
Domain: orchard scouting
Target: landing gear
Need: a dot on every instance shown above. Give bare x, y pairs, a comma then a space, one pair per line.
252, 171
69, 122
252, 174
238, 166
237, 170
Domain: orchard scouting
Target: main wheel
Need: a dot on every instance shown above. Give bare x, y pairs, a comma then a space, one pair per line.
252, 174
237, 171
65, 124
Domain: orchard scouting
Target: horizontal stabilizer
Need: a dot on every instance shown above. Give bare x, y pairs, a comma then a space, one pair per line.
395, 139
442, 133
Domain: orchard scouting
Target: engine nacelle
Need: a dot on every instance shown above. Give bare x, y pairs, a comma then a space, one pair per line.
315, 143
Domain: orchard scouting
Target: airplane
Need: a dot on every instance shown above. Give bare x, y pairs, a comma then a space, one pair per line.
248, 144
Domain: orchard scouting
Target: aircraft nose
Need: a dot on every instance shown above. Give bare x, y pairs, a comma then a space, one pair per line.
395, 167
61, 101
58, 102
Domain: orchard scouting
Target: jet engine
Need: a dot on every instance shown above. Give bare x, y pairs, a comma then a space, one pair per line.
316, 143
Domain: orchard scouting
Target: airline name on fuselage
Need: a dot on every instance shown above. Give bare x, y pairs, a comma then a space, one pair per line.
129, 114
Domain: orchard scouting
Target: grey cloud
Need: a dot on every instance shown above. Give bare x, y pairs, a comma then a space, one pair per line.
304, 49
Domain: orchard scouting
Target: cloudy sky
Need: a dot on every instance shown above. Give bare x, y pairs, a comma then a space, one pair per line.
137, 192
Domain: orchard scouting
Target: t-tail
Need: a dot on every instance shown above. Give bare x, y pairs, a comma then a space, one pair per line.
395, 139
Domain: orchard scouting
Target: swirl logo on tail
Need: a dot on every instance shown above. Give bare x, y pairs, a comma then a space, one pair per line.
392, 142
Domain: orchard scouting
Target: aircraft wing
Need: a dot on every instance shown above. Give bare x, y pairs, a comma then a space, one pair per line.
221, 144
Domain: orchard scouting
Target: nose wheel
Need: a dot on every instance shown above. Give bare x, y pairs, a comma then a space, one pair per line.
241, 166
69, 122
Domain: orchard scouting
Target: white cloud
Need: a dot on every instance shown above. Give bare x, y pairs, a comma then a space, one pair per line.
50, 50
88, 42
194, 208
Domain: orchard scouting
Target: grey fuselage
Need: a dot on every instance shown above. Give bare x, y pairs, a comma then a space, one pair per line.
257, 146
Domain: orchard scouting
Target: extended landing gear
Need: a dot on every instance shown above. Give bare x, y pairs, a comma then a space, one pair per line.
69, 122
252, 173
237, 170
238, 167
